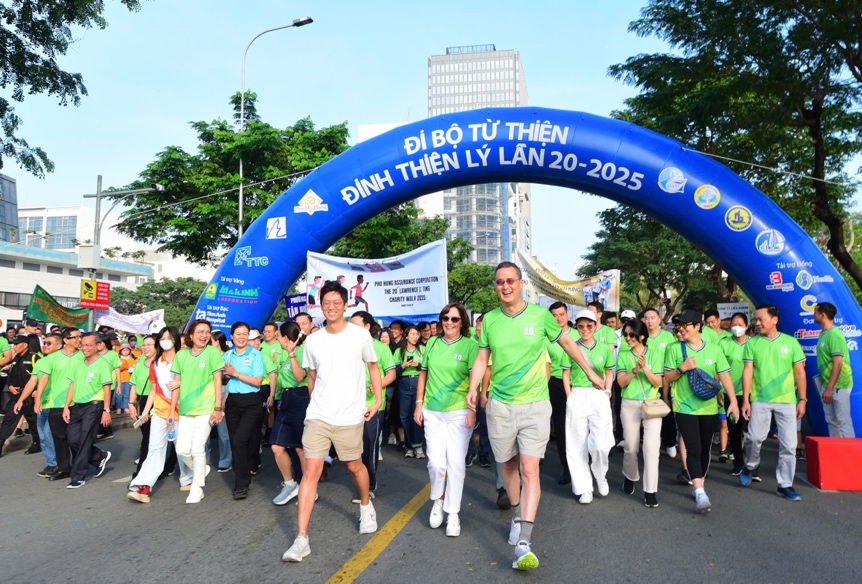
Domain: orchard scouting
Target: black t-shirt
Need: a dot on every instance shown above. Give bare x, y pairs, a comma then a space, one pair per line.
22, 369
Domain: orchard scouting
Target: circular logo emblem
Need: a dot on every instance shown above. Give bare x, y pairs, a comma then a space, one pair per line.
770, 242
671, 180
737, 218
807, 304
804, 280
707, 197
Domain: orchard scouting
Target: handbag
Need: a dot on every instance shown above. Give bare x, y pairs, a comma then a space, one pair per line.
702, 384
652, 408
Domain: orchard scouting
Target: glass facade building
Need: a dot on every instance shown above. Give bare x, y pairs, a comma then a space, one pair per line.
8, 209
474, 77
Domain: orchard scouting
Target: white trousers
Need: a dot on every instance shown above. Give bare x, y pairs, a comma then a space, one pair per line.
758, 429
157, 450
838, 414
446, 439
589, 433
192, 436
631, 414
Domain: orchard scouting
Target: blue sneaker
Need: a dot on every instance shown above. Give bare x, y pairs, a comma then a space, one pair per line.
788, 493
745, 476
287, 493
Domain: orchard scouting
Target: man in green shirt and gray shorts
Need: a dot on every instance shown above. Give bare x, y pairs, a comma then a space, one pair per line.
519, 410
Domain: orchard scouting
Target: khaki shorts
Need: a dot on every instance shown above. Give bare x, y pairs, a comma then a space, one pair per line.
318, 436
518, 428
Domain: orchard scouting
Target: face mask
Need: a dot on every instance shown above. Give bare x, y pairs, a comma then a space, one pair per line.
166, 344
737, 331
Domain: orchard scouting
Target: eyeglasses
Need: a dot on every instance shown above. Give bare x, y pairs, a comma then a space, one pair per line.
630, 335
78, 337
500, 282
454, 319
684, 325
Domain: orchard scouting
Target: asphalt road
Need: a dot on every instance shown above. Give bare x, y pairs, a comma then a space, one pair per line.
94, 534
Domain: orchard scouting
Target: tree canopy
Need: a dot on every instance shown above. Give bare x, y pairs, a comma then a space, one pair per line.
33, 34
777, 83
178, 298
196, 216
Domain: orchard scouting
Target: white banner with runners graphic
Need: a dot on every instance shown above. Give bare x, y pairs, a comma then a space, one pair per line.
413, 286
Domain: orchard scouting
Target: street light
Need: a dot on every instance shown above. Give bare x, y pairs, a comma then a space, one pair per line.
97, 232
295, 24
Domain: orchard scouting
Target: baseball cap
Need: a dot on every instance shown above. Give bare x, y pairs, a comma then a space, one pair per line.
31, 322
689, 316
586, 313
253, 335
628, 314
21, 339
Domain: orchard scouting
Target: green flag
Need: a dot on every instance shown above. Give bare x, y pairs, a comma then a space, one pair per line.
43, 307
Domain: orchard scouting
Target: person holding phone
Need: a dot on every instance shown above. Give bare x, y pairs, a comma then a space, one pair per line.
409, 355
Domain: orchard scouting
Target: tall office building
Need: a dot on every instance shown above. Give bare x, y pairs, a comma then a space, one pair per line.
495, 217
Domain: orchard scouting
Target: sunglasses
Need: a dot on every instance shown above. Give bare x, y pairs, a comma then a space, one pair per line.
630, 335
500, 282
684, 325
454, 319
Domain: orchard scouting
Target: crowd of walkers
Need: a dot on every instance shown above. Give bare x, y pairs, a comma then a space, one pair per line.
340, 390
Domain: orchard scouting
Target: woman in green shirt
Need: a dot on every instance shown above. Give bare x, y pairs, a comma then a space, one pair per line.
140, 388
409, 358
639, 373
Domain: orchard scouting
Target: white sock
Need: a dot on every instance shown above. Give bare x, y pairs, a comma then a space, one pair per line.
699, 491
290, 483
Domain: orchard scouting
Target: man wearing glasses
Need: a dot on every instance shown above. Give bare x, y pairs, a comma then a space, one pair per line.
519, 410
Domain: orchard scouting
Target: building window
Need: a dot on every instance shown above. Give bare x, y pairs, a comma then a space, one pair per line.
31, 267
55, 270
77, 273
30, 231
60, 232
7, 264
100, 276
114, 278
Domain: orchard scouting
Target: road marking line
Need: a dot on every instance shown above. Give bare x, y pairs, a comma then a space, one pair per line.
127, 479
353, 567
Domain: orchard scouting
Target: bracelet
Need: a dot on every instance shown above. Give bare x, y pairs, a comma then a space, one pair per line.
133, 403
217, 409
803, 399
419, 401
292, 355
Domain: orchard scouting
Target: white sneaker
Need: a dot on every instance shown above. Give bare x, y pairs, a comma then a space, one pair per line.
367, 519
525, 559
379, 455
586, 498
603, 488
436, 518
297, 551
393, 441
453, 525
671, 451
514, 532
196, 495
420, 452
702, 504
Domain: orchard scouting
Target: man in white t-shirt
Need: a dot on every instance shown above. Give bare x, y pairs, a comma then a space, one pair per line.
336, 359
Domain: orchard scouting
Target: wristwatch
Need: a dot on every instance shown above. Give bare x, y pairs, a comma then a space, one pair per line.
680, 371
107, 410
218, 409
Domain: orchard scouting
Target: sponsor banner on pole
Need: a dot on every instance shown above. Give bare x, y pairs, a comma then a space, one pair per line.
412, 286
43, 307
726, 309
131, 323
294, 304
604, 287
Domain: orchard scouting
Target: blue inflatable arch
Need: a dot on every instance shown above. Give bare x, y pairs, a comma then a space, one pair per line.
739, 227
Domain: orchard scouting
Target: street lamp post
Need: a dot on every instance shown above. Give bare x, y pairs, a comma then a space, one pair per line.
295, 24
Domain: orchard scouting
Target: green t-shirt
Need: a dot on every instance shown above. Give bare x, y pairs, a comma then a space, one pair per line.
416, 353
661, 341
733, 351
197, 382
517, 344
141, 378
606, 335
724, 335
709, 358
286, 378
385, 362
559, 358
448, 368
90, 379
640, 385
114, 359
707, 335
831, 343
4, 346
271, 358
602, 359
773, 361
57, 366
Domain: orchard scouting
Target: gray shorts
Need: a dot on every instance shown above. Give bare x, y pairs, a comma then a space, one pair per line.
518, 428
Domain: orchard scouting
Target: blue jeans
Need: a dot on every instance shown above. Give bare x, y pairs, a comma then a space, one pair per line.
122, 400
481, 429
45, 437
413, 434
224, 454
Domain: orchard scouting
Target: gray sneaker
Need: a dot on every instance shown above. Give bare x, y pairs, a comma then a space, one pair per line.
702, 504
287, 493
297, 551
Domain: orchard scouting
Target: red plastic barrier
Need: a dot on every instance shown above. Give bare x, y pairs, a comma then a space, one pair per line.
834, 464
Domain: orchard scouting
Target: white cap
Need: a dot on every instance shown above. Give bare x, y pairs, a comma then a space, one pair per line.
628, 314
585, 313
156, 326
253, 335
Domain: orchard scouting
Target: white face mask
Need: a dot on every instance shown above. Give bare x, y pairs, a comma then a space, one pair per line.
737, 331
166, 344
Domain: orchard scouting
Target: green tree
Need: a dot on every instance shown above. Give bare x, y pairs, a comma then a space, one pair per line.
473, 286
655, 262
186, 219
33, 34
178, 298
778, 78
